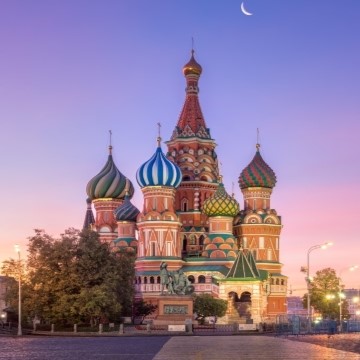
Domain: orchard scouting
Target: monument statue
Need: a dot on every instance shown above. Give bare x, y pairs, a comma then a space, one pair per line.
175, 282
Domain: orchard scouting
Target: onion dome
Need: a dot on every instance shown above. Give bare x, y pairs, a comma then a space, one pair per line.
159, 171
109, 182
126, 211
221, 204
257, 174
192, 67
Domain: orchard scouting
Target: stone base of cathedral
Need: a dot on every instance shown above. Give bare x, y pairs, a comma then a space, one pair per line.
174, 309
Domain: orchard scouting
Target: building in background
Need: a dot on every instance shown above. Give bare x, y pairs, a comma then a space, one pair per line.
190, 222
3, 304
353, 300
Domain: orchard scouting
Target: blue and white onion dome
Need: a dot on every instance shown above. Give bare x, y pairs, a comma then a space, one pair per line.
126, 211
109, 182
159, 171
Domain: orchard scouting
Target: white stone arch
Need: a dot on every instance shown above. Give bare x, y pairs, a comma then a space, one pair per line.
272, 219
252, 219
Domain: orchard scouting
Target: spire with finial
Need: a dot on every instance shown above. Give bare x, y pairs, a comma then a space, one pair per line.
159, 135
110, 146
257, 140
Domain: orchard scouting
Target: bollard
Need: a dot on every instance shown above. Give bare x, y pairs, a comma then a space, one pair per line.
148, 327
34, 326
121, 329
52, 328
100, 328
75, 328
189, 328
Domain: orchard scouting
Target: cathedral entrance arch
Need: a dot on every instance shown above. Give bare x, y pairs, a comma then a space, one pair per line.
240, 305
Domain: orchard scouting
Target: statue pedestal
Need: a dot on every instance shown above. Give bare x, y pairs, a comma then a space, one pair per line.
174, 309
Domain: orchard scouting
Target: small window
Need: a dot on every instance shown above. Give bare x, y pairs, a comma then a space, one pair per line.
184, 205
191, 279
152, 280
201, 279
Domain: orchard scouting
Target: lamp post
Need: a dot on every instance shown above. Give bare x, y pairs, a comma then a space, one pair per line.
341, 295
17, 249
312, 248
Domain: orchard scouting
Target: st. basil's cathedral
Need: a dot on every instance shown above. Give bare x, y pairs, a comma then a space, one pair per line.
190, 222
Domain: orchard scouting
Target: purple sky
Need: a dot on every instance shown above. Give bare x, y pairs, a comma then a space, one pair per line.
72, 70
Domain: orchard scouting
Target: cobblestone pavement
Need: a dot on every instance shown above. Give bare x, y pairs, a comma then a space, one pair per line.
346, 342
80, 348
247, 348
251, 347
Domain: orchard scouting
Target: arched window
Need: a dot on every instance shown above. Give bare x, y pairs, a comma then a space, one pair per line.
277, 281
158, 280
186, 178
191, 279
139, 280
152, 280
145, 280
282, 282
184, 205
272, 281
201, 279
201, 241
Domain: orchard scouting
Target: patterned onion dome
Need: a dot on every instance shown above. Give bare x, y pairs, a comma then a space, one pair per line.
257, 174
126, 211
109, 183
192, 67
221, 204
159, 171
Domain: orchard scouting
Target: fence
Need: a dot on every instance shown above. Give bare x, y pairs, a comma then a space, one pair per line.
300, 325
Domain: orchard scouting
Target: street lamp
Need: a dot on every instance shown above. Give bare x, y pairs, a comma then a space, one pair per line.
341, 295
312, 248
17, 249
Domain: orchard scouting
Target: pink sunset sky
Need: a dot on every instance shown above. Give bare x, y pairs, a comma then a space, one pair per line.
72, 70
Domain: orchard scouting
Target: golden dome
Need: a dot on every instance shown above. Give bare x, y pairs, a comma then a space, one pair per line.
192, 67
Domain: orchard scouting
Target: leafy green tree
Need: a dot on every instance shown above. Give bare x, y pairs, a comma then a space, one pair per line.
76, 278
324, 295
143, 309
205, 305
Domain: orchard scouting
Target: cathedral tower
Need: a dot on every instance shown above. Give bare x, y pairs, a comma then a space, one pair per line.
193, 150
158, 225
258, 227
107, 191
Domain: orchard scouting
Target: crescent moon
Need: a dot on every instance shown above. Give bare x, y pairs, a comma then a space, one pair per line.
245, 12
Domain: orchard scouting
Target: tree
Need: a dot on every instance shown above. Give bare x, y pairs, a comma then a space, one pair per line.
143, 309
205, 305
76, 278
324, 295
12, 268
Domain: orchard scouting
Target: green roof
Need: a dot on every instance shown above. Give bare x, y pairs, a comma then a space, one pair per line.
213, 268
244, 267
